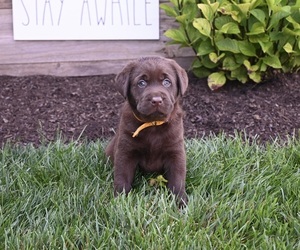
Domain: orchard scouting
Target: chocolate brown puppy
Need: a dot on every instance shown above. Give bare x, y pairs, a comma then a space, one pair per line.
150, 132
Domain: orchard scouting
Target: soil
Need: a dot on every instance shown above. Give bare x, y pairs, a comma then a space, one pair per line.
38, 109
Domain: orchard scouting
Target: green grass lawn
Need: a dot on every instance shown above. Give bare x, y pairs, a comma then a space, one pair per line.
241, 196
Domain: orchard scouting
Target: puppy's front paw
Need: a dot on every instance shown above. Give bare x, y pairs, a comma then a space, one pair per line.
121, 188
182, 202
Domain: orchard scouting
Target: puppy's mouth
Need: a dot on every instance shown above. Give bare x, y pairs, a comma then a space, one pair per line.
156, 115
154, 108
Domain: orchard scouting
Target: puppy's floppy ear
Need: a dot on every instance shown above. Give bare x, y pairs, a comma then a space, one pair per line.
122, 80
182, 77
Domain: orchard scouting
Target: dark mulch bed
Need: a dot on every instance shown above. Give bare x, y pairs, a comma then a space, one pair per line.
35, 108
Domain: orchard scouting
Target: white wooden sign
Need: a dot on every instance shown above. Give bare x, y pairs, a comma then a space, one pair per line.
86, 19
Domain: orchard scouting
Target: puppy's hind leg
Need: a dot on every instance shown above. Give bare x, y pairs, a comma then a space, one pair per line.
110, 148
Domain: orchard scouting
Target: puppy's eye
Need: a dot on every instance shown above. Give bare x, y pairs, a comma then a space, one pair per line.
142, 83
166, 83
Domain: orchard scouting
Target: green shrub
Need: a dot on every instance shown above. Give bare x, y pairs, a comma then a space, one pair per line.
237, 40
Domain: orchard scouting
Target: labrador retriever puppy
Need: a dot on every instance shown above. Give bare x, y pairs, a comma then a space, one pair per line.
150, 131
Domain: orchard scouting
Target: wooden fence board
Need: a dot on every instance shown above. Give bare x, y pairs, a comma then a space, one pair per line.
77, 58
5, 4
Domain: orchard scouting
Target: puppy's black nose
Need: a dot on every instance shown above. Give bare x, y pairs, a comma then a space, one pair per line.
156, 100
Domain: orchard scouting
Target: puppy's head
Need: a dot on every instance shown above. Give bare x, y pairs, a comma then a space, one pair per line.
152, 86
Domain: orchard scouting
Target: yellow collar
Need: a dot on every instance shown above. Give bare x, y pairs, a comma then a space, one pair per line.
145, 125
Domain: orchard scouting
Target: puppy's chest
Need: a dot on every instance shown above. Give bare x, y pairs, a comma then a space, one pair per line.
151, 159
155, 145
151, 163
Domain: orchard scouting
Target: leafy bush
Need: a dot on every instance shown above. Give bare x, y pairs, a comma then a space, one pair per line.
237, 40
